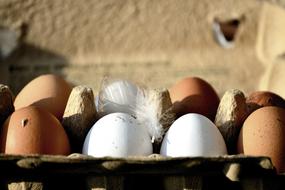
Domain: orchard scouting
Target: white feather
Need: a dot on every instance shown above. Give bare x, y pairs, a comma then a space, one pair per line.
148, 113
117, 96
124, 96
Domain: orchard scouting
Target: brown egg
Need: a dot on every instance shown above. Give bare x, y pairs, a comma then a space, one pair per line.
194, 95
263, 134
260, 99
49, 92
32, 130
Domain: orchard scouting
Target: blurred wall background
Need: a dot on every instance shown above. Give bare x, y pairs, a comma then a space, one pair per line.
231, 44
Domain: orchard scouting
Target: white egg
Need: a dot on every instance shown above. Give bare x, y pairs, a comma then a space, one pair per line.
117, 135
193, 135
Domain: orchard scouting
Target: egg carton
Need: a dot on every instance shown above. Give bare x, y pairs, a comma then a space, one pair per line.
78, 171
153, 172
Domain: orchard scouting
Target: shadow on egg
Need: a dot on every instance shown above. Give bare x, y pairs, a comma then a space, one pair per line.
259, 99
48, 104
196, 104
49, 91
252, 107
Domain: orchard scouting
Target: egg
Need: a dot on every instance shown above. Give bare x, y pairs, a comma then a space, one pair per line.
263, 134
193, 135
117, 135
48, 91
194, 95
32, 130
260, 99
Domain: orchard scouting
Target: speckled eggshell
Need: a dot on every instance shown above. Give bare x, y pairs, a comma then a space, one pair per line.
117, 135
263, 134
194, 95
32, 130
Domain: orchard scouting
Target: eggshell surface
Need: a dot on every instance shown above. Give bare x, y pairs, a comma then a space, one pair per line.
263, 134
194, 95
259, 99
32, 130
117, 135
50, 92
193, 135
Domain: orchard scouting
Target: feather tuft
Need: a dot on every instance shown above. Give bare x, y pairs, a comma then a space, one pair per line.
144, 104
148, 113
117, 96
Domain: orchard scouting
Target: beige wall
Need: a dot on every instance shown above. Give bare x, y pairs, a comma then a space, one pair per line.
154, 43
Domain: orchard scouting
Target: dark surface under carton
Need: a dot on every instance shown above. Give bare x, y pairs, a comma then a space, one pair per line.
154, 172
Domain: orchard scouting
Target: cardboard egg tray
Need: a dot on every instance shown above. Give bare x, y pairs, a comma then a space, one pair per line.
78, 171
181, 44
